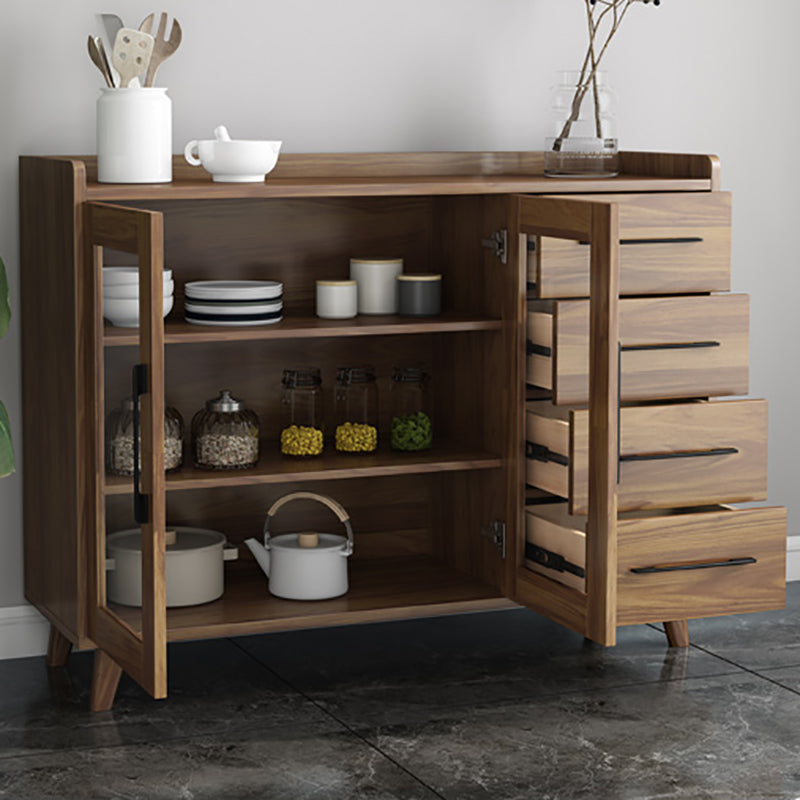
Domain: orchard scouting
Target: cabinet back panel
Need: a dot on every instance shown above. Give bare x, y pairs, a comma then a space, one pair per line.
296, 242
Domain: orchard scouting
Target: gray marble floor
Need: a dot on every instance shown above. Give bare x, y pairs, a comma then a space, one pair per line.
501, 705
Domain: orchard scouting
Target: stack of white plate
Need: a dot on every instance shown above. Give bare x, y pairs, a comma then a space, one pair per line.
121, 295
233, 302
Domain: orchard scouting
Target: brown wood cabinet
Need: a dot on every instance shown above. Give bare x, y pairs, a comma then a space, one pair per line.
438, 532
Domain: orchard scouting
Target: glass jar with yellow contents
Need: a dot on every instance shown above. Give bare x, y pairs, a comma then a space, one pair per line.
301, 401
356, 406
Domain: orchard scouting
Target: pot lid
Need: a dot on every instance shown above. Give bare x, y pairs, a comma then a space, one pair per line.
185, 539
327, 541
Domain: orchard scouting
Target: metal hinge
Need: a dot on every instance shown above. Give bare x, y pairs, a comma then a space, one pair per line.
495, 531
498, 244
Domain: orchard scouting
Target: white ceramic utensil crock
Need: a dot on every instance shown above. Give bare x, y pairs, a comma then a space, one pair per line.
194, 566
134, 136
305, 566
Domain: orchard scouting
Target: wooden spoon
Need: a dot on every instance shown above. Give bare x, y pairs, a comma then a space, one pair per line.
99, 61
132, 53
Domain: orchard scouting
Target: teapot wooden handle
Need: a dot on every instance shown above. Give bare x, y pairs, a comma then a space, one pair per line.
320, 498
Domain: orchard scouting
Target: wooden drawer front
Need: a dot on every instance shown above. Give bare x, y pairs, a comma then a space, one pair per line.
684, 454
555, 550
695, 542
670, 244
672, 347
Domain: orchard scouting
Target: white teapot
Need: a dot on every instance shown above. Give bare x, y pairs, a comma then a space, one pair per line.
305, 566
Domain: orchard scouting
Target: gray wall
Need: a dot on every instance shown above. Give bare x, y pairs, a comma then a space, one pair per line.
359, 75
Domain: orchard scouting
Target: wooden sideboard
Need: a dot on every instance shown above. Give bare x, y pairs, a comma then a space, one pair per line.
595, 310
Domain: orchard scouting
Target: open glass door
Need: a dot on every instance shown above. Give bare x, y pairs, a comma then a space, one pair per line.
592, 612
131, 638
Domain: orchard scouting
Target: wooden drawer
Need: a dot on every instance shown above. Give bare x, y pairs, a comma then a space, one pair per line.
672, 347
726, 561
555, 548
682, 454
698, 562
670, 244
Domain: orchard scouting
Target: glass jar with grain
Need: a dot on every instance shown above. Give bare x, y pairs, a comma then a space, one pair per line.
225, 434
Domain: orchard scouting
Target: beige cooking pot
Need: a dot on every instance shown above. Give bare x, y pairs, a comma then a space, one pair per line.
194, 566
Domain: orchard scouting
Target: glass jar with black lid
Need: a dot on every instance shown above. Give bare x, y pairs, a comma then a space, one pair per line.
356, 407
411, 409
302, 432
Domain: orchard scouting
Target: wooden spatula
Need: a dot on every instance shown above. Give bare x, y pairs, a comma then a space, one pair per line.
131, 56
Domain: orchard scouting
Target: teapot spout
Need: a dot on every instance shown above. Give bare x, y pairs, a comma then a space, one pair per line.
261, 554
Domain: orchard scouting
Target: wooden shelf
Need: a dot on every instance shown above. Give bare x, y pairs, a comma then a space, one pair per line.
380, 589
276, 468
180, 332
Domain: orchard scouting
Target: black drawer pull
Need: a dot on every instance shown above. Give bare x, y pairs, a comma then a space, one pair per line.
536, 349
538, 452
665, 240
731, 562
668, 346
551, 560
141, 510
717, 451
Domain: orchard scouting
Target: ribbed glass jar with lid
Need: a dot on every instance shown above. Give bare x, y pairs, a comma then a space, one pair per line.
302, 404
356, 407
119, 439
411, 409
225, 434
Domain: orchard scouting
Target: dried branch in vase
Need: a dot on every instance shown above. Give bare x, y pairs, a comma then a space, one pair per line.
604, 18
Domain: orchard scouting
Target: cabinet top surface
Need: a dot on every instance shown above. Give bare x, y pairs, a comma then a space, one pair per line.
374, 174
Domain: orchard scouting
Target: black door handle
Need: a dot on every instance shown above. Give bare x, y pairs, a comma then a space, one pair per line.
141, 506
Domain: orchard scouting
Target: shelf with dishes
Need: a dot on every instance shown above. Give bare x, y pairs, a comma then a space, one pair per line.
308, 327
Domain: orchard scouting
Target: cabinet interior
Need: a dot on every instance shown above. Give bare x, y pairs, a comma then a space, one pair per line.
417, 517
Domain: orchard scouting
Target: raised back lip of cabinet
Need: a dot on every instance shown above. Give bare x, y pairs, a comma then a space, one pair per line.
417, 173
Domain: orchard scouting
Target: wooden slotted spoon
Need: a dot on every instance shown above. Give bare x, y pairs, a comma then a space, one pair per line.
132, 53
163, 48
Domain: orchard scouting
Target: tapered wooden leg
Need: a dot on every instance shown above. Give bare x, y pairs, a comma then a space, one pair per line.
105, 680
677, 632
58, 648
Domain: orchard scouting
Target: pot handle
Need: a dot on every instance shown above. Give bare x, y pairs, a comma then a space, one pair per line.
337, 509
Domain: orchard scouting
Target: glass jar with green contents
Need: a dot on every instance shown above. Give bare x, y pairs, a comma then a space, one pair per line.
411, 409
301, 401
356, 404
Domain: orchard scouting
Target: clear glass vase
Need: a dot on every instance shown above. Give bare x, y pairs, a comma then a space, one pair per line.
583, 141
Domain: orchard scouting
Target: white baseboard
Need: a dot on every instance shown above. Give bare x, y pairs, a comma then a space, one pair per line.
793, 558
24, 631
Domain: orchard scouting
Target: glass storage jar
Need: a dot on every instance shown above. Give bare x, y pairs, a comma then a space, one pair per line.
356, 407
411, 409
303, 431
119, 439
225, 434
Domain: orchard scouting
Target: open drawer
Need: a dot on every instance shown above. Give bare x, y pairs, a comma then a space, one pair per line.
681, 454
671, 347
698, 562
669, 244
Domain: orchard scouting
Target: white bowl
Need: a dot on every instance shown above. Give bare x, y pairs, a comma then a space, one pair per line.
234, 160
114, 276
124, 311
131, 290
